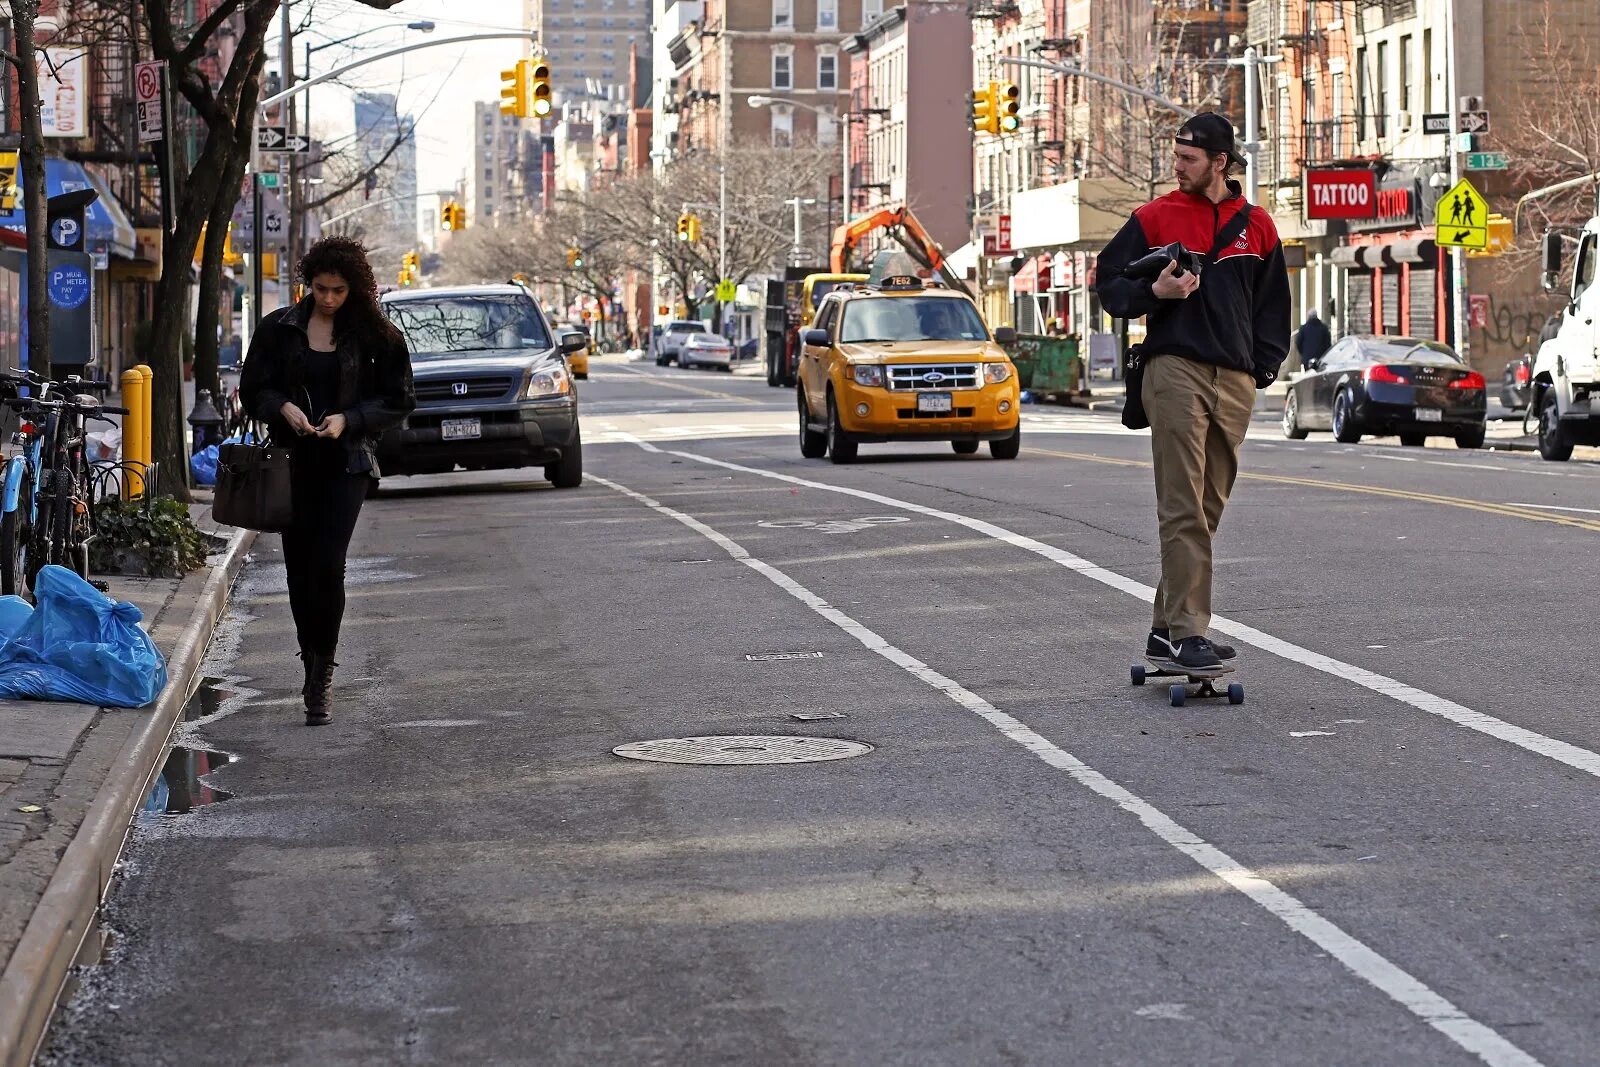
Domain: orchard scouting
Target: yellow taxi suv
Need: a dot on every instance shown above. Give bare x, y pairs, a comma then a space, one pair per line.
900, 361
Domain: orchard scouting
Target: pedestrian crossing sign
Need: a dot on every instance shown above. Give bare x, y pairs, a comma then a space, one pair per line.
1462, 218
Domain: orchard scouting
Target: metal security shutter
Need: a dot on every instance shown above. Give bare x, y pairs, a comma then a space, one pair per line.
1359, 294
1424, 317
1391, 301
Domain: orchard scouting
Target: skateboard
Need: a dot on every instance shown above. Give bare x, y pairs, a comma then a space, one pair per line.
1178, 692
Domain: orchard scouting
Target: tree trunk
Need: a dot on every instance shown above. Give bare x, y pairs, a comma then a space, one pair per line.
208, 305
23, 13
171, 319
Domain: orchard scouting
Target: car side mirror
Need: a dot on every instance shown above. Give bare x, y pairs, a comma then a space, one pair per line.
573, 342
1005, 335
1551, 251
814, 337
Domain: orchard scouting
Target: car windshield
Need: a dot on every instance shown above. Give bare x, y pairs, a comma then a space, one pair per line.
822, 289
1400, 349
453, 325
914, 318
686, 327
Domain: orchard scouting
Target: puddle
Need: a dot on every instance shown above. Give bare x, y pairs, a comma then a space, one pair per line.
179, 790
208, 699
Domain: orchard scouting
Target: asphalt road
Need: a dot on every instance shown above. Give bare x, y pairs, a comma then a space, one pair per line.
1383, 856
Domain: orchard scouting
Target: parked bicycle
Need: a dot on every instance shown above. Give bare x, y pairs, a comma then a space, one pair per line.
48, 496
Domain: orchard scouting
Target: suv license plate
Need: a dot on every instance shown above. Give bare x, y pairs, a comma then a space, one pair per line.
939, 402
1428, 414
460, 429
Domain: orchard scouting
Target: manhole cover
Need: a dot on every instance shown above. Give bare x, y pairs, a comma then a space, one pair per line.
739, 750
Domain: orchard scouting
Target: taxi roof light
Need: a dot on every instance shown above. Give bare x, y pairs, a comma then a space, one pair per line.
896, 282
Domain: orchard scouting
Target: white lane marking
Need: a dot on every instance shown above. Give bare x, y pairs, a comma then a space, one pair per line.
1359, 958
1553, 507
1572, 755
1397, 459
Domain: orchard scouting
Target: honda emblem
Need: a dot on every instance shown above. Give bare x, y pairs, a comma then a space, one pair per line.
458, 388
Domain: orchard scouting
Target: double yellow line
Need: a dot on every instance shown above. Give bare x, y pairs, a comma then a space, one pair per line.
1505, 510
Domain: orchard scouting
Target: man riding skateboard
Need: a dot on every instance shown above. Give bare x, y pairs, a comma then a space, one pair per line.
1210, 343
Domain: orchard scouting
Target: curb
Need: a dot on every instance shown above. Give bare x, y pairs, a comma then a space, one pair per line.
54, 935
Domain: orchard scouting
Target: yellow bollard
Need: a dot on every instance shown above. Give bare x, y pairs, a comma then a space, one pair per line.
133, 433
146, 450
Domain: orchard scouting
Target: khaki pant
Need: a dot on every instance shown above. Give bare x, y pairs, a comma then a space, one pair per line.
1198, 417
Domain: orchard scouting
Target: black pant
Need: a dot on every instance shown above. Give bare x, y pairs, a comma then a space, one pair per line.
327, 502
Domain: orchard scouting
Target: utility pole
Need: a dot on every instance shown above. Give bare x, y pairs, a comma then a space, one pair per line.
726, 100
1251, 63
292, 237
1458, 259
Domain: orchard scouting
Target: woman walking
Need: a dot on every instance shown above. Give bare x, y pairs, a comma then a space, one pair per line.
327, 376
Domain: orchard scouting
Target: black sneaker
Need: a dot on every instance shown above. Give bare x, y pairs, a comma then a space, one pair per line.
1159, 644
1198, 653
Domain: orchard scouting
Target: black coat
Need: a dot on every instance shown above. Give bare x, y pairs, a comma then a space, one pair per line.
375, 391
1312, 341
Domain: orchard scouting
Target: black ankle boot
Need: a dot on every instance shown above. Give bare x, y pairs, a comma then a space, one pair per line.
319, 689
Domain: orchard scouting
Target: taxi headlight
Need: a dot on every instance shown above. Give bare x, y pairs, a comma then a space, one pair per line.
995, 373
869, 374
550, 382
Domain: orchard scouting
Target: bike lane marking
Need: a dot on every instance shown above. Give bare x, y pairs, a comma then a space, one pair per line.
1574, 756
1359, 958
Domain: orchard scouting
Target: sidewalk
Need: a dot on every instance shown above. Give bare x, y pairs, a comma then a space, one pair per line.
87, 770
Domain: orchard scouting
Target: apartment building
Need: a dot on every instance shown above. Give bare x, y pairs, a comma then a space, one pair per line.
503, 182
587, 41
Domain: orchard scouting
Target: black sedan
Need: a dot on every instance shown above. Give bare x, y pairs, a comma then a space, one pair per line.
1388, 385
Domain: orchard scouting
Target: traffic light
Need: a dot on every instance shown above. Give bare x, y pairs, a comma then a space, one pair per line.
514, 90
574, 258
683, 227
984, 119
539, 101
410, 268
1007, 102
694, 229
453, 216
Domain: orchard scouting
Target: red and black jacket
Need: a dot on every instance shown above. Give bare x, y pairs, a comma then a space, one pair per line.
1239, 317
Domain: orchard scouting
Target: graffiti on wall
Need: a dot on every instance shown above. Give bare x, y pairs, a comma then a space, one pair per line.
1515, 322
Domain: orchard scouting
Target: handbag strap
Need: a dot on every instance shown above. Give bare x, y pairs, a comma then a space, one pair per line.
1230, 233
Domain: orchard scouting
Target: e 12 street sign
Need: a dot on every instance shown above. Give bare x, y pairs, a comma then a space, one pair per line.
1341, 194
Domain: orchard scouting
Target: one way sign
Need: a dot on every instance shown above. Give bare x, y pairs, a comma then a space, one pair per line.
271, 138
296, 143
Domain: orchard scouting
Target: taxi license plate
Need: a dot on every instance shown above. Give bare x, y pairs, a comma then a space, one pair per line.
460, 429
1428, 414
938, 402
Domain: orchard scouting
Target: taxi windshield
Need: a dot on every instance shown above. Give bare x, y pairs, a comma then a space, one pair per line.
911, 318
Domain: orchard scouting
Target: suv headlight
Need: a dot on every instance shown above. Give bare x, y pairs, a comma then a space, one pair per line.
869, 374
995, 373
552, 381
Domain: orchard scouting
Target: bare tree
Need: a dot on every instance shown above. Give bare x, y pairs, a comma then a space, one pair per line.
25, 60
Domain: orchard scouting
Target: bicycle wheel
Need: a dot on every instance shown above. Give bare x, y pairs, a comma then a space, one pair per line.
39, 541
15, 532
62, 545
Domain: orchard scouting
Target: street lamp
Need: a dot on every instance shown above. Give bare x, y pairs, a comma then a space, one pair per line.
797, 252
844, 141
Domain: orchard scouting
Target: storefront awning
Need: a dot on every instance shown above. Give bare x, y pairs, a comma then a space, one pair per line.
109, 231
1417, 250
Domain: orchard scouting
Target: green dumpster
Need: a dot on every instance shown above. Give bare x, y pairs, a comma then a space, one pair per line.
1047, 366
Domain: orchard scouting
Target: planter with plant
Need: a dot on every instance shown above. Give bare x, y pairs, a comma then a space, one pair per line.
155, 538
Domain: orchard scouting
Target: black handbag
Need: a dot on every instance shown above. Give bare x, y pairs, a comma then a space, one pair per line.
1133, 360
253, 486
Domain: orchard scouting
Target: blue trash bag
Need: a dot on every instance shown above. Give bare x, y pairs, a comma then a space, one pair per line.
14, 611
203, 465
78, 646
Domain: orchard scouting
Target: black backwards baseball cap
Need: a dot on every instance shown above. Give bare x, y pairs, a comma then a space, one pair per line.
1210, 132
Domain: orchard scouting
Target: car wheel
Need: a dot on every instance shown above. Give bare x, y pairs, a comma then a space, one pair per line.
1007, 447
964, 448
1413, 438
813, 445
661, 361
1291, 418
582, 377
1345, 430
1555, 440
841, 446
1472, 438
567, 472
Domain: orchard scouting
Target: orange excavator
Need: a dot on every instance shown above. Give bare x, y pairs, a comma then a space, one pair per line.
905, 229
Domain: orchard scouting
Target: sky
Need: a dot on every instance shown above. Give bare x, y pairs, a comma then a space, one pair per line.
436, 86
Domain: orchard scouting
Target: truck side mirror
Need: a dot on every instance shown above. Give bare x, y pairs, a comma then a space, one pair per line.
1552, 260
1005, 335
815, 338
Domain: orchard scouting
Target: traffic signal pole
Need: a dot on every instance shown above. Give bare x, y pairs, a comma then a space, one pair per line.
1458, 257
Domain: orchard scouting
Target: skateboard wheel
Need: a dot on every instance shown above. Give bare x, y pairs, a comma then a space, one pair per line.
1138, 675
1236, 693
1179, 695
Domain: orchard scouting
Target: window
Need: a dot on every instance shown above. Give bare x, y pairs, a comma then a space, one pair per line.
1361, 93
782, 69
1427, 70
1338, 115
827, 14
1381, 77
783, 14
1405, 74
915, 318
469, 324
827, 70
1583, 272
870, 9
782, 127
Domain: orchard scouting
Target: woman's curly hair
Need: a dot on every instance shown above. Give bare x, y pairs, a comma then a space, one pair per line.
347, 257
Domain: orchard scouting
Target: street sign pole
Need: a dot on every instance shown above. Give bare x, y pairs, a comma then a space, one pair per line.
1458, 259
255, 245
